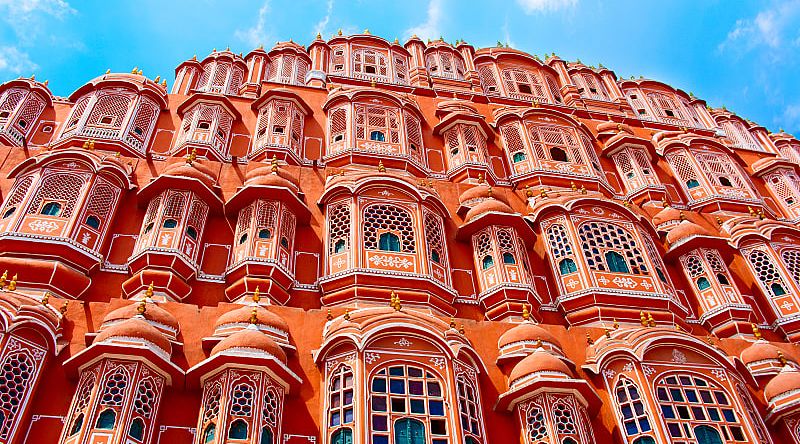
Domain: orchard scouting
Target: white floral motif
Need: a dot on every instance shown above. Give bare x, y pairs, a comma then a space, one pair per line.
678, 357
628, 367
394, 262
46, 226
438, 362
720, 374
371, 357
648, 371
597, 210
625, 282
403, 342
609, 374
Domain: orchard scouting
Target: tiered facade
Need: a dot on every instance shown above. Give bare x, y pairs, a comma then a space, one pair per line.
368, 242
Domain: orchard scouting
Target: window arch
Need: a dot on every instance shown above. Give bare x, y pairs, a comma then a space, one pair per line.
767, 273
342, 436
382, 218
407, 402
341, 393
690, 403
106, 420
631, 408
469, 409
339, 228
609, 247
17, 375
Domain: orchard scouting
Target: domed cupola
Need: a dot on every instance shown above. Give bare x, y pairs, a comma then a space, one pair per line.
253, 315
524, 338
23, 103
782, 394
764, 359
150, 312
269, 208
539, 364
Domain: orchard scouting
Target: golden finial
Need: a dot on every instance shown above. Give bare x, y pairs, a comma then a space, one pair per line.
751, 211
346, 314
664, 203
149, 292
141, 308
339, 32
117, 154
157, 79
63, 309
709, 340
616, 324
91, 144
678, 328
13, 284
395, 301
396, 41
608, 333
480, 178
135, 70
46, 82
164, 83
254, 316
86, 145
319, 36
256, 295
329, 316
452, 322
526, 315
782, 358
583, 189
681, 216
756, 331
573, 186
718, 219
228, 48
3, 278
461, 329
46, 298
543, 193
760, 214
643, 318
489, 192
381, 168
372, 83
589, 339
274, 164
528, 191
366, 31
650, 321
539, 343
192, 156
108, 71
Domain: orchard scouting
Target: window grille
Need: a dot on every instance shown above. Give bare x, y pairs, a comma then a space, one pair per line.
434, 237
767, 273
17, 374
631, 407
598, 238
381, 218
61, 187
339, 226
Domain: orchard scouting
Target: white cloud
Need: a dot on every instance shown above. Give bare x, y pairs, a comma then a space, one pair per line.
768, 30
258, 34
790, 117
429, 29
25, 16
531, 6
322, 24
14, 61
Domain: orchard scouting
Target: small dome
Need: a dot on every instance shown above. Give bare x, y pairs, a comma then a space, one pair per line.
527, 331
788, 380
475, 193
487, 206
666, 215
760, 350
135, 328
153, 313
193, 170
265, 176
243, 314
250, 339
685, 230
537, 362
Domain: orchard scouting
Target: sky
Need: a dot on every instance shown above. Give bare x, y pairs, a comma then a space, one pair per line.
744, 55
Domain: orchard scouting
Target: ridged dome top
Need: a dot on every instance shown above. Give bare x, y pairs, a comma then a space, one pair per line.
527, 331
252, 339
266, 177
685, 230
193, 170
666, 215
487, 206
537, 362
153, 313
760, 350
135, 328
474, 193
264, 317
788, 380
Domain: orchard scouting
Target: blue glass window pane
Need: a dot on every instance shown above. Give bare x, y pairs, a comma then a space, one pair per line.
379, 385
379, 403
417, 406
728, 414
436, 408
668, 412
397, 386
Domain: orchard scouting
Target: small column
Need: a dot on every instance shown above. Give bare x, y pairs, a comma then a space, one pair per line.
187, 74
471, 75
568, 90
610, 80
319, 52
256, 62
418, 72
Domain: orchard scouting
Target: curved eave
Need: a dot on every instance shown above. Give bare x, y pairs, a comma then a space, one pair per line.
369, 38
173, 373
696, 241
249, 193
282, 93
588, 397
620, 140
364, 93
764, 166
458, 117
145, 87
202, 97
290, 381
165, 182
357, 186
31, 85
98, 165
496, 218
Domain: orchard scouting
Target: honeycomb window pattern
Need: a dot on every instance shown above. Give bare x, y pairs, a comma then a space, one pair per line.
242, 400
381, 218
146, 397
16, 374
597, 238
791, 258
765, 270
536, 426
339, 226
114, 389
271, 410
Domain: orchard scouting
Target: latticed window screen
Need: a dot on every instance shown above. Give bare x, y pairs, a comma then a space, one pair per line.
101, 201
445, 64
337, 125
564, 419
29, 112
785, 186
465, 143
536, 425
401, 69
373, 119
739, 136
18, 193
16, 378
64, 188
598, 238
115, 388
82, 398
666, 106
684, 169
11, 98
488, 79
341, 397
631, 408
77, 112
147, 394
514, 142
434, 237
370, 62
144, 120
241, 400
546, 138
211, 401
791, 258
271, 408
527, 84
720, 167
689, 402
338, 59
590, 86
110, 110
559, 241
468, 407
414, 136
383, 218
339, 228
767, 273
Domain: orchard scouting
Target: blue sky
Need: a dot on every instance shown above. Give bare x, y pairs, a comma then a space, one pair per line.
742, 54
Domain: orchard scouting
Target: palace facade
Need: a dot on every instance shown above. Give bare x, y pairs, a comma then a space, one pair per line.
362, 241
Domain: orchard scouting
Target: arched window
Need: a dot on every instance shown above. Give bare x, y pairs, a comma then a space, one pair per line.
191, 232
725, 182
487, 262
342, 436
567, 266
170, 223
692, 183
558, 154
644, 440
435, 256
77, 424
722, 279
535, 424
388, 242
616, 263
518, 157
508, 258
416, 395
209, 433
93, 221
136, 430
688, 401
9, 212
51, 209
264, 233
767, 273
703, 283
377, 136
238, 429
266, 436
631, 408
468, 409
388, 219
777, 289
340, 397
106, 420
707, 435
339, 228
340, 246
